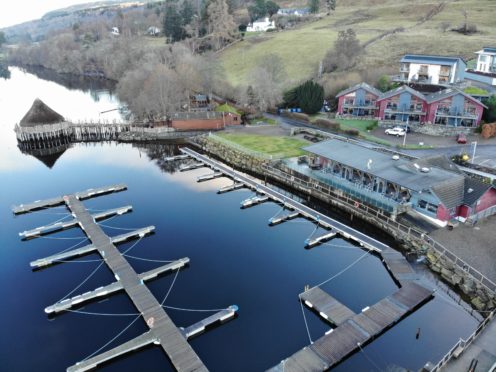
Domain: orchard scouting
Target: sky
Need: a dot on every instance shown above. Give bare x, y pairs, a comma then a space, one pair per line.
19, 11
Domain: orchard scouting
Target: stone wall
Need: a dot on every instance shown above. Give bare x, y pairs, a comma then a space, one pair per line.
430, 129
480, 297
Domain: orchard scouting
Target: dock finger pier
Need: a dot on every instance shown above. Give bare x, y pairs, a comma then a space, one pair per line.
162, 331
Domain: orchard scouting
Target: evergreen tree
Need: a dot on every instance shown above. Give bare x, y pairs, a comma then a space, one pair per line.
172, 23
271, 7
330, 5
187, 13
257, 10
490, 113
310, 97
314, 6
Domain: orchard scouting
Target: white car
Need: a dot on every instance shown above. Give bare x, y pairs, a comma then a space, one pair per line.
396, 131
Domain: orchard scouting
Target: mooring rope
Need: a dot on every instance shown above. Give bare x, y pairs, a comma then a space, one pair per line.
192, 310
305, 319
148, 259
170, 288
280, 210
369, 359
84, 281
100, 314
119, 228
313, 232
344, 270
114, 338
131, 247
73, 246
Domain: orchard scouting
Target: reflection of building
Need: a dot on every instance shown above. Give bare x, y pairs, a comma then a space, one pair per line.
261, 25
431, 69
359, 100
449, 107
434, 187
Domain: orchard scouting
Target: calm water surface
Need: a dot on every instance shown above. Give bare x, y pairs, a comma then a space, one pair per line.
235, 259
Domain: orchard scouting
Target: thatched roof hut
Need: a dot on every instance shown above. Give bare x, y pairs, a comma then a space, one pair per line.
40, 113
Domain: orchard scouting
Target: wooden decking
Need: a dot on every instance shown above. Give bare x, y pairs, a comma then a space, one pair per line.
356, 330
353, 330
163, 331
327, 306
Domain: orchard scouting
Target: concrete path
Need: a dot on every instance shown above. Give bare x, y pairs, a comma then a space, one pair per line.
483, 349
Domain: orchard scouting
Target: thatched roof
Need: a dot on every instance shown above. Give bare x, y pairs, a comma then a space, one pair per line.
40, 113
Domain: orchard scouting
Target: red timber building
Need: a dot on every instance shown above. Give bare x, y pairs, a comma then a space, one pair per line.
449, 107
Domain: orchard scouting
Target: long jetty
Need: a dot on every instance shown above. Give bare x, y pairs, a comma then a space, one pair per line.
352, 330
162, 331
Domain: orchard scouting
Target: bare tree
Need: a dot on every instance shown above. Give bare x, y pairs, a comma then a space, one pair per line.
347, 49
221, 27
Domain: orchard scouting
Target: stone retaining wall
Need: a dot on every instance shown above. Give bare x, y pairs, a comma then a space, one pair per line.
480, 297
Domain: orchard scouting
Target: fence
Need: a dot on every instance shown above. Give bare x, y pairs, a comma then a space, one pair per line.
462, 344
292, 176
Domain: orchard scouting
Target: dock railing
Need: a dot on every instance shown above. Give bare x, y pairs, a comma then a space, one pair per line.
384, 216
403, 230
462, 344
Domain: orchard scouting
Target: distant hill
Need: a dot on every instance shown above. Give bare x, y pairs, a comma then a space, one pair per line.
56, 20
388, 28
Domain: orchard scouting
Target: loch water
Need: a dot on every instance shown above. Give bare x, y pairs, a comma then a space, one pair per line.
236, 258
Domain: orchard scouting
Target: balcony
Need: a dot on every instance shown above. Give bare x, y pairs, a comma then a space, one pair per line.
368, 105
447, 113
445, 72
393, 109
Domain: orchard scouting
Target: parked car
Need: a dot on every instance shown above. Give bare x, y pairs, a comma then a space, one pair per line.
461, 138
396, 131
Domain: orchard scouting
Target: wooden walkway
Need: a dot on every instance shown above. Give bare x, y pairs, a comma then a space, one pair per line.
327, 306
162, 331
352, 329
356, 330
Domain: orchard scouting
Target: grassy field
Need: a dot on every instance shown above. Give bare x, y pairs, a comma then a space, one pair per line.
304, 47
285, 147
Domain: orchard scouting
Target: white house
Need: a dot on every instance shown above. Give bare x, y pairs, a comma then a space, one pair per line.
432, 69
298, 12
153, 31
261, 25
115, 31
486, 60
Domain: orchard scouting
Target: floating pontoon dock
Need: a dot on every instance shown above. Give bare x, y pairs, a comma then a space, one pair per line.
162, 331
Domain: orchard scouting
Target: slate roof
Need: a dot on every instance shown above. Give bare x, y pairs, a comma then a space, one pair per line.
446, 93
450, 192
474, 189
439, 60
439, 161
401, 172
487, 50
40, 113
403, 88
362, 85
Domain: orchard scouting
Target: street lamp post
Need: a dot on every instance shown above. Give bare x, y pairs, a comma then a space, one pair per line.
473, 152
406, 130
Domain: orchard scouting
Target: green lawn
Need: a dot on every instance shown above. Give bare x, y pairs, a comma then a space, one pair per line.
303, 47
227, 108
361, 125
284, 147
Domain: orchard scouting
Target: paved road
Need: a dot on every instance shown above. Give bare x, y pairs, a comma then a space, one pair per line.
485, 154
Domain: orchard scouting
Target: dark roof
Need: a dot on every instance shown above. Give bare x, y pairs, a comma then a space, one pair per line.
441, 60
403, 88
439, 161
402, 172
474, 189
489, 50
40, 113
450, 192
362, 85
449, 93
